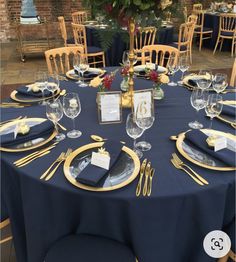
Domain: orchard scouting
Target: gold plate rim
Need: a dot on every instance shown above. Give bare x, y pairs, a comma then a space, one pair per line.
99, 189
4, 149
87, 79
180, 139
13, 96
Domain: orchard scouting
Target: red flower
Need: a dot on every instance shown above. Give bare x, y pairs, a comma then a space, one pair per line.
108, 8
107, 81
154, 76
125, 70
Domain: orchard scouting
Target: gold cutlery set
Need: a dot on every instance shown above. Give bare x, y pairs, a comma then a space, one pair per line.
146, 173
179, 164
33, 156
61, 158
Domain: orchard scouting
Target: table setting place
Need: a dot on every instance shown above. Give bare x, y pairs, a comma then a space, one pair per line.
109, 164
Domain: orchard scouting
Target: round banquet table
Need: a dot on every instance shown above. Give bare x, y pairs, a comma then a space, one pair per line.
119, 45
170, 225
213, 21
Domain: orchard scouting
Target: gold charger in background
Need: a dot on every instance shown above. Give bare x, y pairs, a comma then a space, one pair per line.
78, 151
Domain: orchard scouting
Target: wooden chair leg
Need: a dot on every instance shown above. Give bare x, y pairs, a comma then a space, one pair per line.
221, 44
232, 48
200, 43
223, 259
217, 42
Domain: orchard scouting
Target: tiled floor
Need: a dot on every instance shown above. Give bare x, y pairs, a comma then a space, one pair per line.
14, 71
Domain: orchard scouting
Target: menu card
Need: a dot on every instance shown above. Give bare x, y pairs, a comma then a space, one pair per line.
109, 107
143, 103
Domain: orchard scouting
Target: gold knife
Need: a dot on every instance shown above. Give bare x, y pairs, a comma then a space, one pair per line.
147, 173
38, 156
142, 169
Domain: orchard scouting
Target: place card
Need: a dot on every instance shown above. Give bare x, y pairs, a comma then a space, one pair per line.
100, 160
109, 107
143, 103
220, 143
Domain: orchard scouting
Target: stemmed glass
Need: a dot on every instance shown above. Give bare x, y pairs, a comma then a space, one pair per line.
198, 101
54, 112
205, 79
53, 83
173, 67
213, 106
125, 58
219, 82
72, 108
41, 80
183, 66
76, 66
134, 131
84, 66
144, 121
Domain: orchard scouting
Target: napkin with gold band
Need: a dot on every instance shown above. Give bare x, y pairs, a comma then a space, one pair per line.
93, 175
198, 139
88, 74
36, 131
33, 90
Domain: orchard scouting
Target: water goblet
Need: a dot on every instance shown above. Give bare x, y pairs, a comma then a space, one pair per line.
198, 101
53, 83
72, 108
84, 66
76, 63
41, 81
204, 79
183, 66
54, 112
134, 131
219, 82
173, 67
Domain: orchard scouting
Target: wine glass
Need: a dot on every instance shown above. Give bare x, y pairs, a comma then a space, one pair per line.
54, 112
173, 67
84, 66
76, 63
183, 66
72, 108
41, 81
53, 83
134, 131
204, 79
219, 82
144, 119
198, 101
213, 106
125, 58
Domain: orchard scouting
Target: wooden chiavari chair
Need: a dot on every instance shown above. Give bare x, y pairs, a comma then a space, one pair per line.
227, 30
233, 75
62, 25
60, 59
192, 18
197, 7
96, 56
185, 13
231, 255
159, 54
201, 31
79, 17
144, 36
6, 239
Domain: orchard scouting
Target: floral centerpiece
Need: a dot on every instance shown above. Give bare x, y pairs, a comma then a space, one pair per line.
125, 74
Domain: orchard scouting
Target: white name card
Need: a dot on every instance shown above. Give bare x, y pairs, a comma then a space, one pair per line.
143, 103
100, 160
220, 143
109, 107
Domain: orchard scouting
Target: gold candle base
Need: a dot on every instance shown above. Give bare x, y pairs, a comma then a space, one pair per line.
127, 99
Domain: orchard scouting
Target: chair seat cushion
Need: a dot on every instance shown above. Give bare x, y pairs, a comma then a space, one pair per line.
205, 29
94, 49
88, 248
182, 48
70, 41
230, 34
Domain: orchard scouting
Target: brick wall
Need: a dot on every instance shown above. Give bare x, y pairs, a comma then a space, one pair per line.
4, 21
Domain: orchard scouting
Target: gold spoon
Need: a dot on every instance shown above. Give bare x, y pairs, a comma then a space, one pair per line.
100, 139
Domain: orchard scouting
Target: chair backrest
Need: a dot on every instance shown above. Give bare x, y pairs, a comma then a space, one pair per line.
60, 59
192, 18
79, 17
144, 36
200, 19
185, 13
79, 32
233, 75
186, 31
159, 54
62, 26
227, 23
197, 7
4, 224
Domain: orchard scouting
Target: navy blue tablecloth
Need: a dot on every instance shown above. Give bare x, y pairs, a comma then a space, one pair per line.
119, 45
213, 21
168, 226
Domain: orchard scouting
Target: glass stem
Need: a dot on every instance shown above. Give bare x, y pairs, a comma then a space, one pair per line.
43, 97
82, 76
73, 122
197, 115
56, 126
210, 127
134, 144
182, 76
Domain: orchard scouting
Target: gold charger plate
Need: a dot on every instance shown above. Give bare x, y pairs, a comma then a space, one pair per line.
225, 119
180, 147
68, 168
30, 147
71, 74
14, 93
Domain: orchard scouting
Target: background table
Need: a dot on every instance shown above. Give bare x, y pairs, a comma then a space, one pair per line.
168, 226
119, 45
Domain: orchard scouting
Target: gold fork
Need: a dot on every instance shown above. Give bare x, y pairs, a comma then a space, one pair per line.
56, 167
176, 165
149, 189
142, 169
181, 163
147, 174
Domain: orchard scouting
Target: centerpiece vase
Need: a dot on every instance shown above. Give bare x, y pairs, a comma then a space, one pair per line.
127, 97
